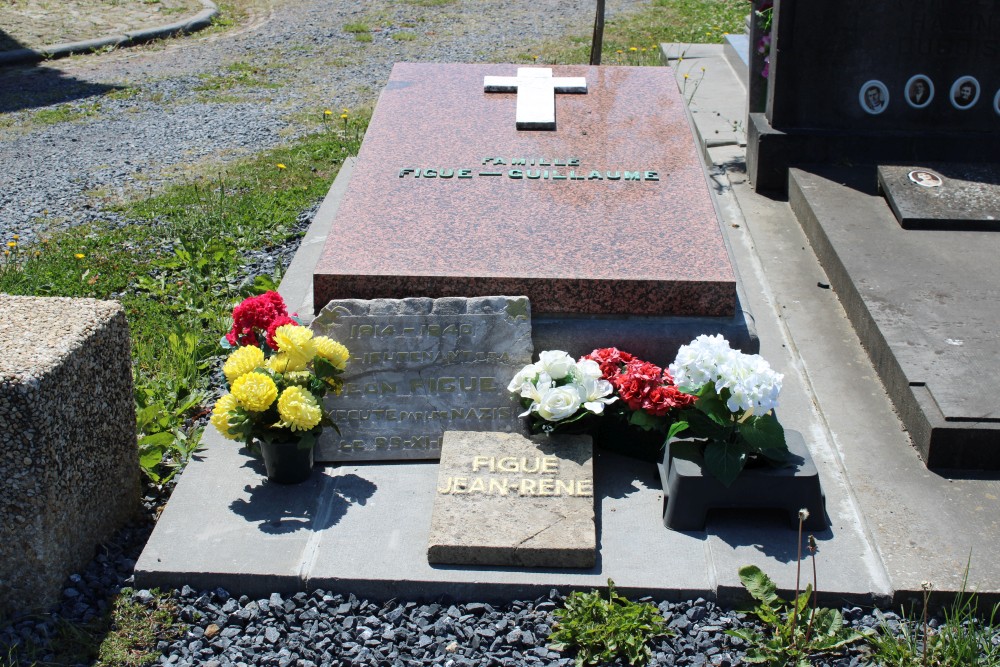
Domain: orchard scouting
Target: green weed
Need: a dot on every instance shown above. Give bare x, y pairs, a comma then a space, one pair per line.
602, 630
964, 639
404, 36
356, 27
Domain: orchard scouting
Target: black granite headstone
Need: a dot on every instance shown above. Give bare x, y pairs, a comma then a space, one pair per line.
881, 82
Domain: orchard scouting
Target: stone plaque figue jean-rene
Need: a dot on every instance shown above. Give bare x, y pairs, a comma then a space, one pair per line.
419, 367
507, 499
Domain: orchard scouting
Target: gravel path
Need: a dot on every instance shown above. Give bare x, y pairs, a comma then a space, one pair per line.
177, 104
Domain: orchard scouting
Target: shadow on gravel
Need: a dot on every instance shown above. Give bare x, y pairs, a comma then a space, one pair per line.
30, 85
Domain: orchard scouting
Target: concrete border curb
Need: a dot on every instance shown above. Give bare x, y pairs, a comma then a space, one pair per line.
199, 21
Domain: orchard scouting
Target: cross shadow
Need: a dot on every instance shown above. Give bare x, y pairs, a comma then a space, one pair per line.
32, 85
316, 504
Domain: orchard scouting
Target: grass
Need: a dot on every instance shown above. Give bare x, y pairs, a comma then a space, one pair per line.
238, 74
634, 39
177, 272
126, 636
404, 36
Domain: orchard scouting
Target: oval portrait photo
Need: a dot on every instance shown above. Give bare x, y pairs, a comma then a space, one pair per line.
964, 92
873, 97
919, 91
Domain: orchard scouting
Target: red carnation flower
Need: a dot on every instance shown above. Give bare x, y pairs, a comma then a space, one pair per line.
255, 313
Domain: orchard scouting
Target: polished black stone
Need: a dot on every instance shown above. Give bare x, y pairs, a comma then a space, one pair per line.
956, 197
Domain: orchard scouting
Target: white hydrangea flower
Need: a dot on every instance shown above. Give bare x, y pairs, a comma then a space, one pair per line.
558, 403
556, 363
751, 382
595, 393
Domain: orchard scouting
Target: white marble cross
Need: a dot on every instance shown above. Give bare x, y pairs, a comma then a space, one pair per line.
536, 99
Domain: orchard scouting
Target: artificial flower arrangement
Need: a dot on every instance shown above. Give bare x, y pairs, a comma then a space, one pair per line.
278, 374
722, 398
733, 414
558, 391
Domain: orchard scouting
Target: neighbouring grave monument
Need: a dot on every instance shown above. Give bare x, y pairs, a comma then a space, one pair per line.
883, 121
419, 367
509, 500
897, 81
69, 459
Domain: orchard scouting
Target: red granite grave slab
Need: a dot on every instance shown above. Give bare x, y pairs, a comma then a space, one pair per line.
576, 237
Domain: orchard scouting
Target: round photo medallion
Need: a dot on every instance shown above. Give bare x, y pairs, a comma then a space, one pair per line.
873, 97
964, 92
919, 91
925, 178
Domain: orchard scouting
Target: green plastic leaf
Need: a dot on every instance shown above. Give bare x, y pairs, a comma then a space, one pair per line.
765, 435
712, 406
646, 421
725, 460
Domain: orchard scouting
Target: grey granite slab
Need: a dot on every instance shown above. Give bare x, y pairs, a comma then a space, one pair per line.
945, 196
419, 367
507, 499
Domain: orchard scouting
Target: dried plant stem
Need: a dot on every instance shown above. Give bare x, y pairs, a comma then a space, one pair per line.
815, 605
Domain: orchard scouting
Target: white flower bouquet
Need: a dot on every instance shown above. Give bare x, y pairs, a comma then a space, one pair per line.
558, 391
734, 412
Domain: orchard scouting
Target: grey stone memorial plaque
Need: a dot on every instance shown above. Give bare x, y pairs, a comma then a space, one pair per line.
953, 197
419, 367
510, 500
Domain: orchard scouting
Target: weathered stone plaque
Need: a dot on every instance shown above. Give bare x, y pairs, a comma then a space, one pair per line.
507, 499
420, 367
956, 197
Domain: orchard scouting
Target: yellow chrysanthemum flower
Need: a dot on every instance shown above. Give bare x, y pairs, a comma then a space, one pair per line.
283, 363
299, 409
297, 342
332, 351
255, 391
220, 415
242, 361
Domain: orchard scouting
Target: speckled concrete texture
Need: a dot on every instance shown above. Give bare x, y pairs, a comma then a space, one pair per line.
68, 455
563, 231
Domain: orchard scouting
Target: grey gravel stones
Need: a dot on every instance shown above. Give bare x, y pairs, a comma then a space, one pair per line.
68, 455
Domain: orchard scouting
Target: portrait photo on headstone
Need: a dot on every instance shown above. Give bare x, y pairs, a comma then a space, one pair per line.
924, 178
874, 97
996, 102
964, 92
919, 91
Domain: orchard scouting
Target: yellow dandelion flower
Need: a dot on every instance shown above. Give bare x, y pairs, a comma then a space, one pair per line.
619, 51
280, 166
632, 48
220, 415
643, 49
79, 255
343, 116
332, 351
255, 391
299, 410
11, 244
38, 253
344, 111
328, 112
17, 237
686, 76
6, 253
242, 361
297, 342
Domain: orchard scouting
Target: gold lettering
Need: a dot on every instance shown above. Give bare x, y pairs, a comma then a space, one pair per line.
478, 484
480, 461
545, 487
527, 487
564, 487
507, 464
528, 469
447, 488
584, 487
550, 464
460, 485
499, 484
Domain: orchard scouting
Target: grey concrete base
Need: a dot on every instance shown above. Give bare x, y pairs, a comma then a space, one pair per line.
364, 528
924, 305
